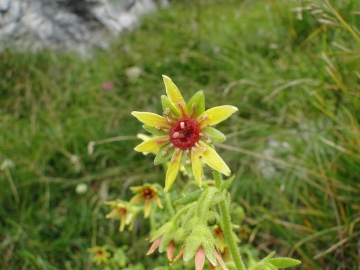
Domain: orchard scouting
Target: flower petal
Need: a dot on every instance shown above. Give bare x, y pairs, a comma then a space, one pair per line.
153, 144
216, 115
128, 217
154, 246
137, 189
112, 214
170, 251
212, 159
199, 100
122, 224
173, 169
151, 119
181, 253
197, 167
158, 202
174, 94
93, 249
143, 137
199, 259
147, 208
113, 203
137, 198
220, 260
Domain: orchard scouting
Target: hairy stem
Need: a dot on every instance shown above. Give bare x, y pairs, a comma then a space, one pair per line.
226, 222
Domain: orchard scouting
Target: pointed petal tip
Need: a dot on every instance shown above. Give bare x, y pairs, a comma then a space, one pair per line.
212, 158
154, 246
137, 149
231, 108
134, 113
173, 170
216, 115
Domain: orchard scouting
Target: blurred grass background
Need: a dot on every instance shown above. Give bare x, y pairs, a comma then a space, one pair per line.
291, 67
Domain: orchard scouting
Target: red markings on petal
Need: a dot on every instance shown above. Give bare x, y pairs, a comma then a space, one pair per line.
170, 250
154, 246
199, 259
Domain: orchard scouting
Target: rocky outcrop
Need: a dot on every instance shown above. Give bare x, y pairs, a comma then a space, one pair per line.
68, 24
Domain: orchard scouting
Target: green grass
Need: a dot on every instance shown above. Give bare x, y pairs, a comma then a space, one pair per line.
296, 84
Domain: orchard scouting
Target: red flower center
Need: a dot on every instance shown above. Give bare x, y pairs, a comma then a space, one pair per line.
185, 133
148, 193
121, 210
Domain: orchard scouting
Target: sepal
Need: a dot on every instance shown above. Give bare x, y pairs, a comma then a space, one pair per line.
227, 183
200, 236
199, 100
167, 104
215, 135
189, 198
159, 158
154, 130
168, 228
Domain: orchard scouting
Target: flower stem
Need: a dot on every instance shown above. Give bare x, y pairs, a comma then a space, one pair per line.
226, 222
153, 225
169, 204
181, 211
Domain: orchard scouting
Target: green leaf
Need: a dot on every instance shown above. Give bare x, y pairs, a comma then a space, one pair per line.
260, 266
227, 183
159, 156
283, 262
215, 135
269, 256
166, 103
154, 131
189, 198
199, 100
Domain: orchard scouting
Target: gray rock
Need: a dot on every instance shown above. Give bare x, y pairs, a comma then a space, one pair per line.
68, 24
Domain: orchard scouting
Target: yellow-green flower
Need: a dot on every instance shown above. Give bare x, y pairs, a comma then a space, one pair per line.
100, 255
147, 194
184, 133
124, 211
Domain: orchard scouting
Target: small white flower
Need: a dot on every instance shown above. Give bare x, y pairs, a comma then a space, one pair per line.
133, 73
7, 163
75, 160
81, 188
91, 147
